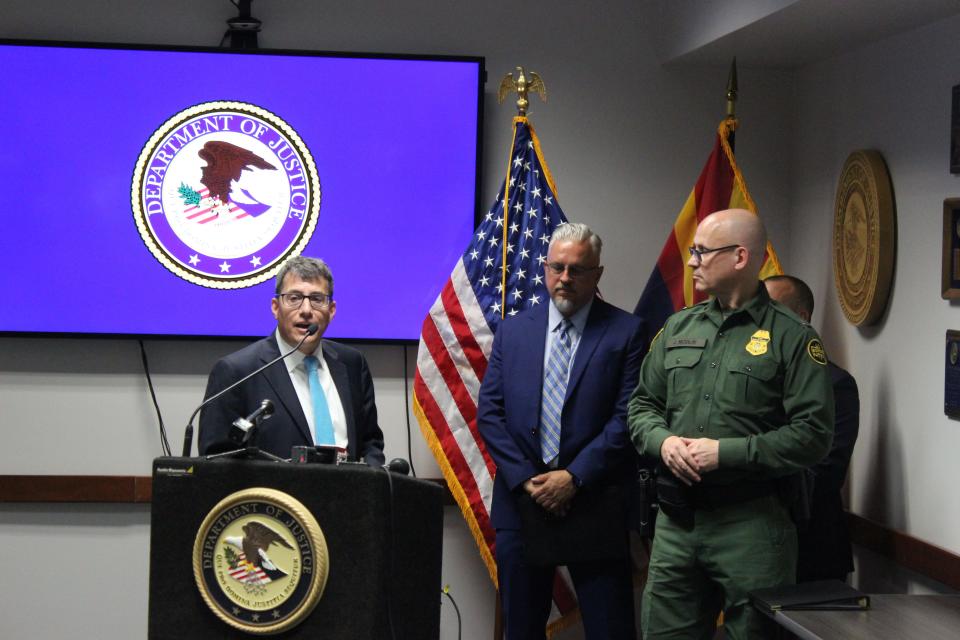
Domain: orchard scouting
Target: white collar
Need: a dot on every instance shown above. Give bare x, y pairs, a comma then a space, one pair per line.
295, 359
578, 320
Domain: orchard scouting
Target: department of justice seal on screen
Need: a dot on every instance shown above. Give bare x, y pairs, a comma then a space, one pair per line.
223, 193
260, 561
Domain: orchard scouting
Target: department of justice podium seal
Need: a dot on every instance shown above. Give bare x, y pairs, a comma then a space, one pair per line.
260, 561
223, 193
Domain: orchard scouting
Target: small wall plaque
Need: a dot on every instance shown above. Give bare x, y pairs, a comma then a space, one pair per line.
951, 375
955, 131
950, 274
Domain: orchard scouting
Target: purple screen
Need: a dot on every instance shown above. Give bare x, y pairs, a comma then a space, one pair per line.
394, 143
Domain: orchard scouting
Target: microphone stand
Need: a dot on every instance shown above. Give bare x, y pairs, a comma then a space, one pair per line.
188, 432
247, 453
249, 449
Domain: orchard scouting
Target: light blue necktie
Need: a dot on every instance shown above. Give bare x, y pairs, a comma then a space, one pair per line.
554, 391
322, 423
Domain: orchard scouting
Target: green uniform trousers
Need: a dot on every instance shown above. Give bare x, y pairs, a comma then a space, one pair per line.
697, 571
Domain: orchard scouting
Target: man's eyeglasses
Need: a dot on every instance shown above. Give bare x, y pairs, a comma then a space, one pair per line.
318, 301
698, 253
557, 269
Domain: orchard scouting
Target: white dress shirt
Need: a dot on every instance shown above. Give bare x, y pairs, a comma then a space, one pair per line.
298, 376
554, 320
578, 322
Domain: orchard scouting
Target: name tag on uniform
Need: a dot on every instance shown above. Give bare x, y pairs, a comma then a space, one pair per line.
687, 342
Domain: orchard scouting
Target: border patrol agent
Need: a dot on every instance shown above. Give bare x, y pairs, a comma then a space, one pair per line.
734, 397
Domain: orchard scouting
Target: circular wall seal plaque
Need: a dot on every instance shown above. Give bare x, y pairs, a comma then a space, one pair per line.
260, 561
223, 193
864, 230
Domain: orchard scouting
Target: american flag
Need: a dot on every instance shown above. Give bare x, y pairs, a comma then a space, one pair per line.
246, 572
205, 212
501, 273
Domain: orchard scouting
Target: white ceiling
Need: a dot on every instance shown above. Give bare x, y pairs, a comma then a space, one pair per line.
779, 33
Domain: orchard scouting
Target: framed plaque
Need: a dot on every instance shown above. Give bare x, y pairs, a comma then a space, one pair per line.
955, 130
951, 375
950, 274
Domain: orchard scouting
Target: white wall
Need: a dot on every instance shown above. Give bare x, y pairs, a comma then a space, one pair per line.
895, 97
687, 25
624, 138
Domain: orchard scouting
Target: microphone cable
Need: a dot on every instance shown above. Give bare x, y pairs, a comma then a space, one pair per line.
406, 405
391, 550
164, 443
446, 591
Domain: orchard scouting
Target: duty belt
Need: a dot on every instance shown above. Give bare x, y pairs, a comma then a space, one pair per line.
717, 496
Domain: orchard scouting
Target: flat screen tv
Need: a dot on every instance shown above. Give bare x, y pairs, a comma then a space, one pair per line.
156, 191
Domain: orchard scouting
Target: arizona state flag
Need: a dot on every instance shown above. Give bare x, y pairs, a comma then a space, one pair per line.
720, 186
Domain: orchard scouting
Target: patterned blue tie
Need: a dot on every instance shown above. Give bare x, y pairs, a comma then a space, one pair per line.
554, 391
323, 425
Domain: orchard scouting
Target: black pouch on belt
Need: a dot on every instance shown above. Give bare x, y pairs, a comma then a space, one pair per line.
673, 497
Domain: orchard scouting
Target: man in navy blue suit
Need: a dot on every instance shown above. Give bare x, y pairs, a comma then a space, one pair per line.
552, 412
322, 393
823, 546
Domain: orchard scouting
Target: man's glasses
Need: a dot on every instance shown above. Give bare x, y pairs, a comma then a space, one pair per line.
573, 270
318, 301
699, 253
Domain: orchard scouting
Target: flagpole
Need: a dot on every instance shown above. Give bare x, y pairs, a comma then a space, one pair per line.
522, 86
506, 213
732, 99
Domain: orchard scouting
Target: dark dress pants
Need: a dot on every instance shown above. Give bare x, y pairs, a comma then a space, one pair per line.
604, 592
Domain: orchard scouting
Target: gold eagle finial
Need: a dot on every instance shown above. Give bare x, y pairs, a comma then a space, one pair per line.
522, 86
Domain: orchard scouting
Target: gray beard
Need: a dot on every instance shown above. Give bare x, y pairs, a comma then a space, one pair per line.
563, 305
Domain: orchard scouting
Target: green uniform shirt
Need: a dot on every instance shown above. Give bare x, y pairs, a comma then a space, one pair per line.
756, 381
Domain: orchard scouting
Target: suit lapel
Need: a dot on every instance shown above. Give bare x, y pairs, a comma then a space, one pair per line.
278, 378
532, 346
529, 363
592, 334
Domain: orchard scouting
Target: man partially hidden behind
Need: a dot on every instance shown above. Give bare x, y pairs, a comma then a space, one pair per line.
733, 397
824, 543
322, 393
552, 412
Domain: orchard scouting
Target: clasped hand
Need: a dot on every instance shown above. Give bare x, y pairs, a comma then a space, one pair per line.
687, 458
553, 490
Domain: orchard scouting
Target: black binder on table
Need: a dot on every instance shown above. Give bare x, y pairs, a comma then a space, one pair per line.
822, 595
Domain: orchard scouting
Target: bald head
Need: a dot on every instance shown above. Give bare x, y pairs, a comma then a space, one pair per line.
742, 227
793, 292
730, 246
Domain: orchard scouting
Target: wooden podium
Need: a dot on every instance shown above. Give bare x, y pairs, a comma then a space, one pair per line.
383, 541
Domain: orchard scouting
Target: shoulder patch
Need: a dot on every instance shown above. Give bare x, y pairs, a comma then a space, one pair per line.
816, 352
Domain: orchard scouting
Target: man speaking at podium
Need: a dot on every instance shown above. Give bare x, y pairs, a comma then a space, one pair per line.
322, 393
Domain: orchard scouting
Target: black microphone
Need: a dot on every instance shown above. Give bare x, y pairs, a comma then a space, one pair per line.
398, 465
243, 428
188, 432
